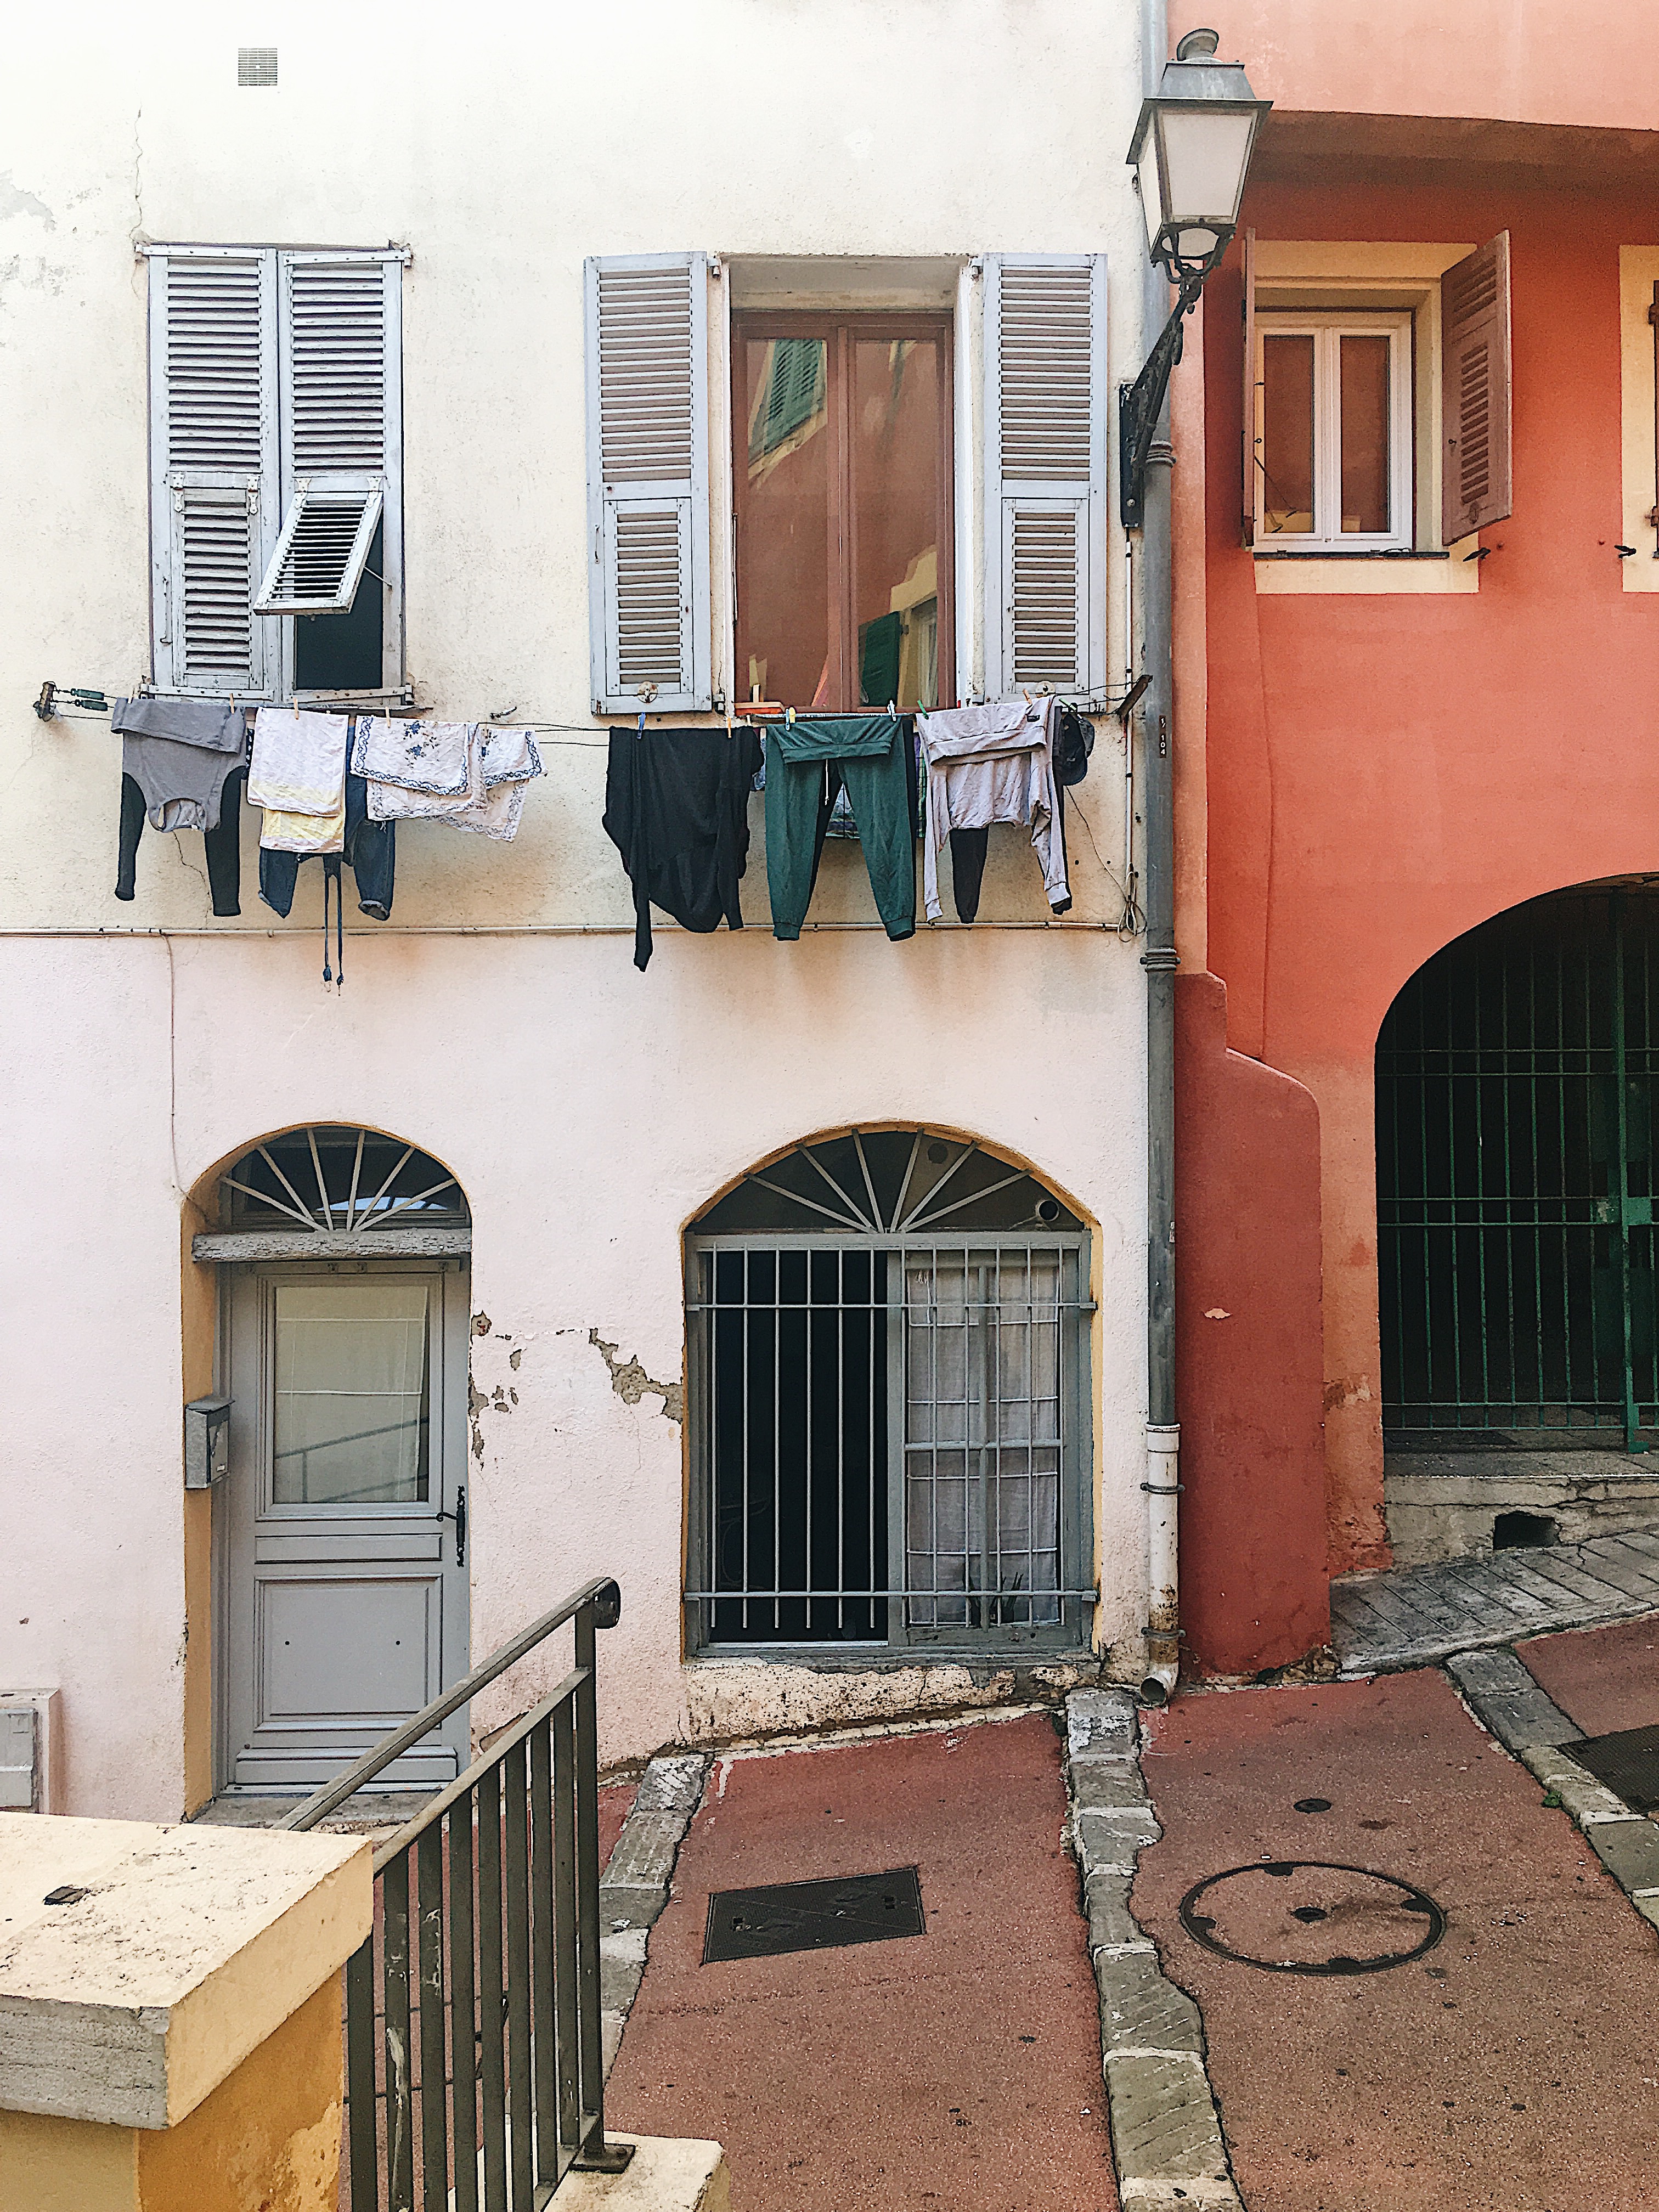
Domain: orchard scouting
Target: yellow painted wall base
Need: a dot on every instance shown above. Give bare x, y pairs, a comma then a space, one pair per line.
267, 2140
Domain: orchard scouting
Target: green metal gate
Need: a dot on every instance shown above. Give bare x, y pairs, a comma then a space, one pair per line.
1514, 1148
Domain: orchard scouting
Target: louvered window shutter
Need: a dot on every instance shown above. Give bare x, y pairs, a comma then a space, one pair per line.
1476, 483
1045, 472
340, 355
213, 468
647, 482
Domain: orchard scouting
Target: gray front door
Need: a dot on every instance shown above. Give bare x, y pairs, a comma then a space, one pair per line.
345, 1603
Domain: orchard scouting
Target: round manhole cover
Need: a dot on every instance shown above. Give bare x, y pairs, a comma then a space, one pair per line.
1309, 1917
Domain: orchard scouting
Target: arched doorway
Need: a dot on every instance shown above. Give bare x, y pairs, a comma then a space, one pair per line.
888, 1393
1516, 1084
343, 1255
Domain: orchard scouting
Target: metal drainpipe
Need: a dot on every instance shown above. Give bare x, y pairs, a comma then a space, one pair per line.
1160, 960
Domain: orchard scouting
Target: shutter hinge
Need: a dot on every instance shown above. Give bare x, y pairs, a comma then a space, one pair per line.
1653, 313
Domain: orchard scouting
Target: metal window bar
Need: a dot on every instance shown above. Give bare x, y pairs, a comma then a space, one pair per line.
885, 1452
474, 2059
1515, 1088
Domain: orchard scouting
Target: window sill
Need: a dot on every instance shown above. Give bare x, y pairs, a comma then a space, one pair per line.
886, 1658
1372, 573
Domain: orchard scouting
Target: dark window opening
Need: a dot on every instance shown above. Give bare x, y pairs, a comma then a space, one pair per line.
1520, 1532
344, 652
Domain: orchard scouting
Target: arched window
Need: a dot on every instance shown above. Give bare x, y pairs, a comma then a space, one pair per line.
339, 1180
889, 1401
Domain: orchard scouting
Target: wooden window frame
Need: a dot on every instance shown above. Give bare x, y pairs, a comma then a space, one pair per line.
840, 332
1328, 328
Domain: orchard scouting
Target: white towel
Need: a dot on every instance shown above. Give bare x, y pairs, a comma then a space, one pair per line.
299, 762
507, 755
436, 758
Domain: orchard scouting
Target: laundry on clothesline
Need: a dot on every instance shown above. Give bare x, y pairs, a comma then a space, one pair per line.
986, 765
469, 774
299, 762
181, 769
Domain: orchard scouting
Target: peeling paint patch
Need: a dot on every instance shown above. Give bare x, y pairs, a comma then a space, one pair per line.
1216, 1313
14, 200
514, 1357
630, 1381
481, 1324
1347, 1390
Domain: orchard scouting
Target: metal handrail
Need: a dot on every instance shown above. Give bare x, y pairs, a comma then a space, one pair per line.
602, 1594
478, 1984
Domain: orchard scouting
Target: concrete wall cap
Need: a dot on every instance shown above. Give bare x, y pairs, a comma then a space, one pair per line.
171, 1953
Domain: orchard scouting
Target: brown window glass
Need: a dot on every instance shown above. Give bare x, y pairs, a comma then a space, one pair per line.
1365, 400
895, 479
1287, 433
842, 476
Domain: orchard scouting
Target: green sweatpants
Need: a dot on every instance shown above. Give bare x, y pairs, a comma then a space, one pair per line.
799, 793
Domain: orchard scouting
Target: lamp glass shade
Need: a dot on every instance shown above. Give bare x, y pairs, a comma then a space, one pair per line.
1206, 156
1152, 189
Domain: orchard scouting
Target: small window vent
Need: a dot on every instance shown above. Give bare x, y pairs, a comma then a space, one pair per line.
256, 64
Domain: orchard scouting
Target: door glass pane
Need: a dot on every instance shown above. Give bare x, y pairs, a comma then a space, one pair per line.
1287, 433
352, 1386
897, 401
1364, 433
783, 540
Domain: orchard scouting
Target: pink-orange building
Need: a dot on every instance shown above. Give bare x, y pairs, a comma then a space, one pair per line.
1417, 807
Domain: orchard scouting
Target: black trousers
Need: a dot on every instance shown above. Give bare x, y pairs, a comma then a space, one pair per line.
223, 843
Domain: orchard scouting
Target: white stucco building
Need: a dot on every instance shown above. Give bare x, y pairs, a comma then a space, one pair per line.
894, 272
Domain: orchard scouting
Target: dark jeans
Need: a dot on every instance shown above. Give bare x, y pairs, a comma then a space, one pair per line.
371, 848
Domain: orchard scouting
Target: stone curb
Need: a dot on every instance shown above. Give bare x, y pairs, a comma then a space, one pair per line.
634, 1886
1167, 2144
1509, 1705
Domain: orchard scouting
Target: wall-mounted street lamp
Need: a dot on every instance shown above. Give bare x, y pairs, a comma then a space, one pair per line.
1191, 154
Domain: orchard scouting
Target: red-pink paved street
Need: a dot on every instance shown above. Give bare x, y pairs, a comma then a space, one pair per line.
960, 2067
1513, 2068
1603, 1679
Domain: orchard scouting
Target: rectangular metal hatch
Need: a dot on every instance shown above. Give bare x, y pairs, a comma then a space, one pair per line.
1626, 1762
813, 1915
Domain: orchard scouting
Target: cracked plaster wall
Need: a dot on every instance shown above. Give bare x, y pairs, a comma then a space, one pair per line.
589, 1111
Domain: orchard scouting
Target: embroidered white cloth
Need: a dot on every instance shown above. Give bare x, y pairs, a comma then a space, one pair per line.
507, 755
299, 762
495, 815
433, 758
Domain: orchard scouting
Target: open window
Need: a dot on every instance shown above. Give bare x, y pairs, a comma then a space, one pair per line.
842, 434
1377, 408
277, 473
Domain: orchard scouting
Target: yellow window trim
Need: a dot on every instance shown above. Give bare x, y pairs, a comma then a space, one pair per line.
1639, 272
1365, 274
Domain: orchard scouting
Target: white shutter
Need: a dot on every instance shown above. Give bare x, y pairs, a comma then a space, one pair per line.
647, 482
1045, 473
213, 468
340, 355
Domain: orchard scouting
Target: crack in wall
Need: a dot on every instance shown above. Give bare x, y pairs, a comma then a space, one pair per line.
630, 1381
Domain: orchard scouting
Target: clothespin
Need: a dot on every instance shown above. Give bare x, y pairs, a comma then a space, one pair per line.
789, 713
641, 731
892, 708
